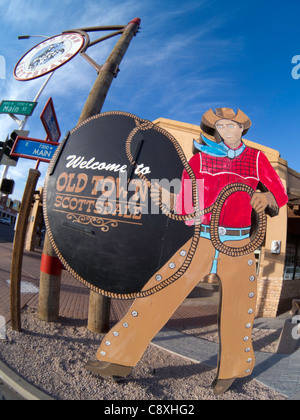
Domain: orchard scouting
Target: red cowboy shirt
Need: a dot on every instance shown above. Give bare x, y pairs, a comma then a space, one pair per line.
214, 173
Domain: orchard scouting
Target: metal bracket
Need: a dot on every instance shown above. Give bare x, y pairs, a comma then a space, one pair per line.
88, 43
114, 69
91, 61
111, 67
16, 119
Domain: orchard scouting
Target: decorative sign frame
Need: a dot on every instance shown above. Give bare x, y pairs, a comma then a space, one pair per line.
48, 55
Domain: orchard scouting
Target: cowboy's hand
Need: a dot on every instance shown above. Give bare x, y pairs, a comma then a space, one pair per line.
260, 201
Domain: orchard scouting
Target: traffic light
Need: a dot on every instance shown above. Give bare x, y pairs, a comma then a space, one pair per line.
5, 157
7, 186
8, 145
1, 149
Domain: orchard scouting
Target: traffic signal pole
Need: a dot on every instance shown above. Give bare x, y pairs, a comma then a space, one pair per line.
99, 307
22, 124
20, 234
3, 176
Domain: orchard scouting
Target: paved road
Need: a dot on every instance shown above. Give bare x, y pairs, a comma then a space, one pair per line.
7, 394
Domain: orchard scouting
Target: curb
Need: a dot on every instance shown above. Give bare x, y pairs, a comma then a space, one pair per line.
20, 386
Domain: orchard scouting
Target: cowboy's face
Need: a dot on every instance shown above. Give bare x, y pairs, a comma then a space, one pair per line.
230, 132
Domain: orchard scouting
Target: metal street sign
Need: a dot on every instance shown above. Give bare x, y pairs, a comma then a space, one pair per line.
47, 56
34, 149
17, 107
50, 123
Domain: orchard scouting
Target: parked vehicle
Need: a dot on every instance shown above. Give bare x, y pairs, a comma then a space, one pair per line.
289, 273
5, 221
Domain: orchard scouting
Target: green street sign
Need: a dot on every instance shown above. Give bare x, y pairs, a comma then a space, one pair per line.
17, 107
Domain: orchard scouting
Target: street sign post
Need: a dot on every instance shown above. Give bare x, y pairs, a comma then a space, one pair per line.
50, 123
17, 107
34, 149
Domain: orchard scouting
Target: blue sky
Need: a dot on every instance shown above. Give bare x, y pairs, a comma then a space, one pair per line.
189, 56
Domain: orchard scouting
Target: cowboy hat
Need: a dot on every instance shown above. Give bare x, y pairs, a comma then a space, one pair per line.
210, 118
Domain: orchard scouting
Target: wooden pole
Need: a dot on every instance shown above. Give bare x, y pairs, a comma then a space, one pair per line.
50, 281
107, 73
18, 248
99, 308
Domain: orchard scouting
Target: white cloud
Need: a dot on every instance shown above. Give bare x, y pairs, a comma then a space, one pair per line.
166, 70
14, 90
16, 12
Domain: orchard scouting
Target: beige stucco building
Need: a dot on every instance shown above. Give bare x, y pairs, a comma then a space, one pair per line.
278, 273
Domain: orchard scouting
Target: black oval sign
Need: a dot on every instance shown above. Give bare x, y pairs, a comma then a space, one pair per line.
100, 217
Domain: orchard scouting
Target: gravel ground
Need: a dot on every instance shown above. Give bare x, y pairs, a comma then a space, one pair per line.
52, 356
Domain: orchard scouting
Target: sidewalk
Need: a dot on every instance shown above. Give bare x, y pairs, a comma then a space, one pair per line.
278, 372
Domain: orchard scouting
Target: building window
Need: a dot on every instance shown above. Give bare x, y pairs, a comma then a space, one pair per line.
257, 254
292, 259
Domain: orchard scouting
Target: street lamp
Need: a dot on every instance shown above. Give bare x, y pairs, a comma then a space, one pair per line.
31, 36
23, 123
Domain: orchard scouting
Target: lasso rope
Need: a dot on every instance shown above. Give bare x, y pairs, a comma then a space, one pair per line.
259, 234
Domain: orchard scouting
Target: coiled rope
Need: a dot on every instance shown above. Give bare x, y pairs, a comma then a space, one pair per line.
258, 235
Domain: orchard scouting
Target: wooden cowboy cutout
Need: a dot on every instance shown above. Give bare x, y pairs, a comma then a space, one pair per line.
221, 161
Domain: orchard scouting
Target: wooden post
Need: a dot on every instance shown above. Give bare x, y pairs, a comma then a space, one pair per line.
50, 281
99, 309
99, 306
107, 73
18, 248
31, 236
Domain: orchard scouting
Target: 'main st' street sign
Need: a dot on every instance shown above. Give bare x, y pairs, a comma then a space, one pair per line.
35, 149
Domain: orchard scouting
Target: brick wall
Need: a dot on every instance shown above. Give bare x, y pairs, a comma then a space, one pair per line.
268, 296
273, 292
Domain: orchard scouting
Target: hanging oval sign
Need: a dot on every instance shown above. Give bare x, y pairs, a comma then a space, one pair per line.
99, 210
47, 56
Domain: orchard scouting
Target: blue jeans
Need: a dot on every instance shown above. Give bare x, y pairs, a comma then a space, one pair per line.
223, 238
